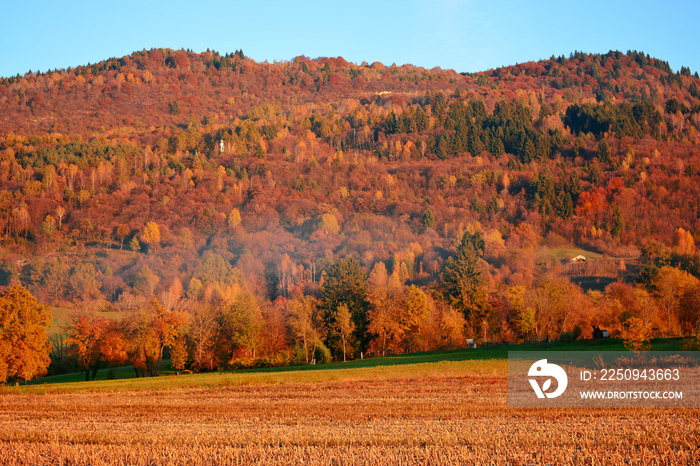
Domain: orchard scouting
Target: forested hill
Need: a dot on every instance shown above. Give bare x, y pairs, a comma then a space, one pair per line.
197, 177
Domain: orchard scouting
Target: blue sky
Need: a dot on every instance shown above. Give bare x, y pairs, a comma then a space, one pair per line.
459, 34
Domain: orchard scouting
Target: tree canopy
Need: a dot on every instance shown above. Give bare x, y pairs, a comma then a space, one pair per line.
24, 346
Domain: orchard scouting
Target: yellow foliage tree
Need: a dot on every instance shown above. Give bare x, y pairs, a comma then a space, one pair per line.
670, 284
234, 218
302, 311
344, 326
636, 334
179, 354
328, 224
151, 234
386, 297
416, 310
452, 325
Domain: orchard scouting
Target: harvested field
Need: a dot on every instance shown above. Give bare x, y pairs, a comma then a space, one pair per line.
441, 414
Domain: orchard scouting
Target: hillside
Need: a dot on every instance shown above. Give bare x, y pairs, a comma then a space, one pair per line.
206, 178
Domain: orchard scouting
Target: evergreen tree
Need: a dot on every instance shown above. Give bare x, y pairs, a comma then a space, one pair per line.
391, 124
526, 149
564, 205
473, 241
574, 187
495, 143
474, 143
544, 192
344, 283
603, 152
439, 106
420, 119
410, 123
442, 147
617, 224
596, 173
478, 111
463, 282
428, 218
461, 139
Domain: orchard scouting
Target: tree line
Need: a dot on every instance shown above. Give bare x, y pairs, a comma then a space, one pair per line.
352, 314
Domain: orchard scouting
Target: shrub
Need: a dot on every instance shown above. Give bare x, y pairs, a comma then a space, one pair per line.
567, 336
577, 332
322, 354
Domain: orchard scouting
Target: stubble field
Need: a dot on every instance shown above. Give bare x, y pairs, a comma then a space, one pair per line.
438, 413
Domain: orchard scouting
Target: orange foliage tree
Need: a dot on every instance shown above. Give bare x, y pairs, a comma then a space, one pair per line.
86, 335
24, 347
148, 330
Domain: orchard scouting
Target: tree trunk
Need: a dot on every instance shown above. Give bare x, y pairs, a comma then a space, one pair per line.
384, 342
95, 368
156, 368
306, 350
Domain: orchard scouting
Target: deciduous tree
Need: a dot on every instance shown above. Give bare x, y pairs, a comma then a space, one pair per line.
239, 325
636, 334
24, 346
149, 329
203, 335
415, 313
386, 297
86, 333
151, 234
179, 354
303, 319
343, 325
452, 326
670, 284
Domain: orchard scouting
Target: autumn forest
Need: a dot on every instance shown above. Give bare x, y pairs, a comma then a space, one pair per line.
225, 213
